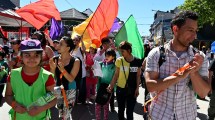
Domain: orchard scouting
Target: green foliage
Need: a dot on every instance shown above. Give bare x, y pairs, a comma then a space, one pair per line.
205, 9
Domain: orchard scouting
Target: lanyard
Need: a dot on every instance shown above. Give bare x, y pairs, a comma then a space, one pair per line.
63, 92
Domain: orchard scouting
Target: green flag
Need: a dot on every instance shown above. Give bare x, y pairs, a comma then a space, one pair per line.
130, 33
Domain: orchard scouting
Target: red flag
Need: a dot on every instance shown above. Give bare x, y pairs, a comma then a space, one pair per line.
38, 13
102, 20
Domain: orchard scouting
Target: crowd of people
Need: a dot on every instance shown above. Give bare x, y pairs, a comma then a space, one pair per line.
31, 68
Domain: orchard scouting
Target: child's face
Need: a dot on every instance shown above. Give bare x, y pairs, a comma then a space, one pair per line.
108, 58
92, 50
31, 59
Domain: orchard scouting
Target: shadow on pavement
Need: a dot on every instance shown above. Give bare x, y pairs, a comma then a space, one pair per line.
83, 112
138, 108
202, 116
2, 101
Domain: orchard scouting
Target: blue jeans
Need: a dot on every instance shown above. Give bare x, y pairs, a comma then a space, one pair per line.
123, 100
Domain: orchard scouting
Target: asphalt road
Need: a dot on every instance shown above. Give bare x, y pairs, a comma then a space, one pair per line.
87, 112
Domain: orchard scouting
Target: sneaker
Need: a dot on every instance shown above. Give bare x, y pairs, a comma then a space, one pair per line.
87, 101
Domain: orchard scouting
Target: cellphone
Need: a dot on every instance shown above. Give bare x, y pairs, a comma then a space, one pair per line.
56, 58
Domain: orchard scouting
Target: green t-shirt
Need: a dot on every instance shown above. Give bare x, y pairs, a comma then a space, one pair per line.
108, 71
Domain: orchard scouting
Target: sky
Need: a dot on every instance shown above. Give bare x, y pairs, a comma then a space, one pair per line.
141, 9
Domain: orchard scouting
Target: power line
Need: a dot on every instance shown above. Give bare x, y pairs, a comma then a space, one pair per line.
69, 3
143, 17
143, 24
137, 17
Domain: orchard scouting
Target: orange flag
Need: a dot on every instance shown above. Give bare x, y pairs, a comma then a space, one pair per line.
38, 13
102, 21
79, 30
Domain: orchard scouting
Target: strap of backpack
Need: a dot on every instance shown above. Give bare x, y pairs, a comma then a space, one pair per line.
162, 57
124, 73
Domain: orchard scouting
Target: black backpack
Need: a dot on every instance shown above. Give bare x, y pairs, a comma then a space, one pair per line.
102, 96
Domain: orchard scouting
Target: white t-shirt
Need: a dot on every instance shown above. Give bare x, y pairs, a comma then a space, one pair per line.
100, 58
77, 53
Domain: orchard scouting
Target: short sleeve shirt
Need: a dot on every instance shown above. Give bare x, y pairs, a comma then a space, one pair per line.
178, 99
130, 73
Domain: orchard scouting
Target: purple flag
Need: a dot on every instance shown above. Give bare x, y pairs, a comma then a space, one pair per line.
116, 26
56, 29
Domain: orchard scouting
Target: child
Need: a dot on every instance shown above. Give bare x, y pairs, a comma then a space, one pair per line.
27, 84
91, 80
66, 68
108, 70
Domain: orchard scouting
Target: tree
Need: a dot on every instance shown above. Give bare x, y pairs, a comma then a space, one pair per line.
205, 9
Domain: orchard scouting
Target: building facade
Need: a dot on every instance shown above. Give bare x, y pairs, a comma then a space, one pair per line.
161, 27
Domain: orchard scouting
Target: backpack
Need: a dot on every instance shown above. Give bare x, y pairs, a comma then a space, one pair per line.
102, 96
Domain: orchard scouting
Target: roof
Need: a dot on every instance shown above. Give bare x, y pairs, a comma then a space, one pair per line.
72, 14
6, 4
88, 12
11, 18
10, 12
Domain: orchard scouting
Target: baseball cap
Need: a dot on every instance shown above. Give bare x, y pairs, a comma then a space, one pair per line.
30, 45
93, 46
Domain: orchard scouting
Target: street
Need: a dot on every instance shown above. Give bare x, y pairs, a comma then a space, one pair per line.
87, 112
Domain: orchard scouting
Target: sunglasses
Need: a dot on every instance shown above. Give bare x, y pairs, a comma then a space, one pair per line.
76, 40
13, 43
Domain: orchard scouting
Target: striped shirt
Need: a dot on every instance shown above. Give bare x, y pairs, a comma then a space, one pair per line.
177, 100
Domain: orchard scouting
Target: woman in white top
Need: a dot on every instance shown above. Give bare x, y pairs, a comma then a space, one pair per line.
81, 84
